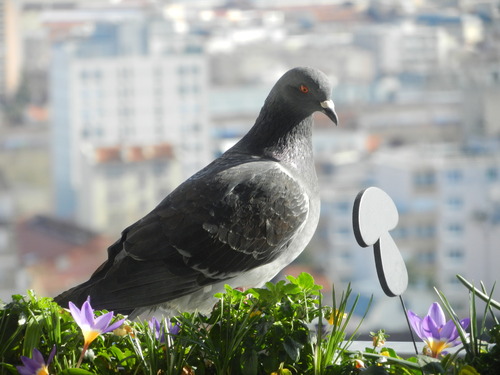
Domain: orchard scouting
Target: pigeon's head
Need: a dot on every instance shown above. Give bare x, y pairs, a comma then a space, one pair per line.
306, 90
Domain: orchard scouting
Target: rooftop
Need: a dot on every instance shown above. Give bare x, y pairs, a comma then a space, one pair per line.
44, 237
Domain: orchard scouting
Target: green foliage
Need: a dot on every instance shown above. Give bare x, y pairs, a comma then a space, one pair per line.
482, 344
283, 328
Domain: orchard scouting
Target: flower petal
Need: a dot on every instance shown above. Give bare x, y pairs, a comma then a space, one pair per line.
25, 370
51, 355
437, 315
38, 357
87, 313
102, 322
430, 329
416, 324
449, 331
174, 329
154, 324
114, 326
76, 313
30, 364
465, 323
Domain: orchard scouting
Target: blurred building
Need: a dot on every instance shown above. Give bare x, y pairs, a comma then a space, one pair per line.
122, 183
409, 48
56, 254
12, 277
10, 45
449, 206
128, 86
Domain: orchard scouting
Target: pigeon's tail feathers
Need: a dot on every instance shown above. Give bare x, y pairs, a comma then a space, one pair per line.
78, 295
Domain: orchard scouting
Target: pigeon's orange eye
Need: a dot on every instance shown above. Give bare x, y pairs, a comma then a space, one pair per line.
304, 89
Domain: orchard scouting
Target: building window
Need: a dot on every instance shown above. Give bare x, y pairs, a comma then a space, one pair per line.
455, 203
343, 231
326, 168
99, 130
424, 178
426, 257
456, 255
160, 169
454, 176
455, 228
345, 255
425, 231
400, 232
84, 75
492, 174
343, 208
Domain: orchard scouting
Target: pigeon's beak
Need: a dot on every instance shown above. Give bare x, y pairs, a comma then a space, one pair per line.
329, 110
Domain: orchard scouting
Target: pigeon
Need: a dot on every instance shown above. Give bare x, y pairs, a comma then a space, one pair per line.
238, 221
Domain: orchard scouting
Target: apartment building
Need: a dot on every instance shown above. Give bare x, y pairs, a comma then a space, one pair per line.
448, 199
112, 91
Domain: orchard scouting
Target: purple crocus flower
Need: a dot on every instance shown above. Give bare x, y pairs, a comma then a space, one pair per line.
155, 326
36, 365
437, 333
91, 327
174, 329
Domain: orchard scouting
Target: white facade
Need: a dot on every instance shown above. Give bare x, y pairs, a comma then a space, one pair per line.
125, 96
449, 221
142, 101
409, 47
449, 202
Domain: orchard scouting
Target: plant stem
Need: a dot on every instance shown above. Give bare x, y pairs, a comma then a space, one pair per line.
84, 350
408, 322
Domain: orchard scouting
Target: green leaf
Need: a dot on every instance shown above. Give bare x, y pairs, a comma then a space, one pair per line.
11, 368
478, 293
468, 370
76, 371
291, 289
429, 364
250, 363
292, 348
305, 280
392, 352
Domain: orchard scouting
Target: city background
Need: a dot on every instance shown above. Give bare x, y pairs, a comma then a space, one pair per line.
106, 106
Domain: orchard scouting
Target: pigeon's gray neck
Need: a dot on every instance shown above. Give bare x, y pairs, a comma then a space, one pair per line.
283, 133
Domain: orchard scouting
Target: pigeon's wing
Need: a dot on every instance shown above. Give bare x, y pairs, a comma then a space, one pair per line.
211, 228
